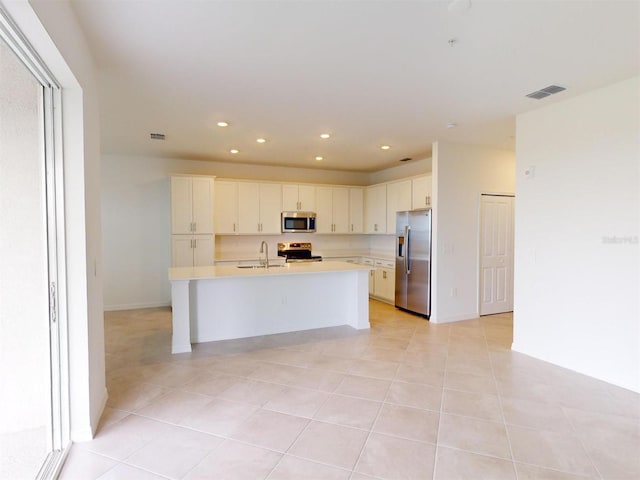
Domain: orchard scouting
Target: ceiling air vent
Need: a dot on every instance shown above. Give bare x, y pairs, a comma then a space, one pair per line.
545, 92
157, 136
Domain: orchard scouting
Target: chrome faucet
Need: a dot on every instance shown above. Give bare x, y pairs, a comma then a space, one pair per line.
264, 248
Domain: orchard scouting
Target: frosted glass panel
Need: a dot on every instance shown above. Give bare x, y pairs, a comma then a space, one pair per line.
25, 392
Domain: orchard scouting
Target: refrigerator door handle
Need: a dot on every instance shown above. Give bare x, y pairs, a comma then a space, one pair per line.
407, 252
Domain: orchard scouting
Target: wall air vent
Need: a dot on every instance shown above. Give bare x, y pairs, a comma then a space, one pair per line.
545, 92
157, 136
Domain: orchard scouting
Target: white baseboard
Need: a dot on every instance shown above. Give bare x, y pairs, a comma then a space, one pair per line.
135, 306
455, 318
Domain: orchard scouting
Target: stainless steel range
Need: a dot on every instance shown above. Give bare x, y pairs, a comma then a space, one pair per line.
297, 252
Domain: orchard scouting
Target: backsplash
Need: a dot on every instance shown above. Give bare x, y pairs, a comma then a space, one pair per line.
248, 246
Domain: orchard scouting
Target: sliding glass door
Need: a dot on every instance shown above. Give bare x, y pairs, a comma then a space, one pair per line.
33, 398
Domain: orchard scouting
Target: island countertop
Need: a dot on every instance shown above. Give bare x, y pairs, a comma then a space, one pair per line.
231, 271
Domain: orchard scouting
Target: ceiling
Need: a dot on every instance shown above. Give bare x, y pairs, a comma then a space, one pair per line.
370, 73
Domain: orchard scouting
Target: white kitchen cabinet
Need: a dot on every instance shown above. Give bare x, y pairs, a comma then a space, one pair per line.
385, 280
421, 192
192, 221
259, 208
192, 204
248, 208
332, 209
372, 273
298, 198
192, 250
356, 210
226, 208
375, 208
398, 200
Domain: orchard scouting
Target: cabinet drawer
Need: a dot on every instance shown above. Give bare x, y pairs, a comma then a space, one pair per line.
385, 264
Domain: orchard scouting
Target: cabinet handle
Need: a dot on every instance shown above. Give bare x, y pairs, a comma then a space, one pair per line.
194, 226
384, 274
352, 227
234, 227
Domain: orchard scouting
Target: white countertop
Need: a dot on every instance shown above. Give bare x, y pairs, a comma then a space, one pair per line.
230, 271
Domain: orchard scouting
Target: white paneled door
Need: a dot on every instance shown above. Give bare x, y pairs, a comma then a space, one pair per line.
496, 254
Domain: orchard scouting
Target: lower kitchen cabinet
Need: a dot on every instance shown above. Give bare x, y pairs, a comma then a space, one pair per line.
192, 250
382, 279
385, 281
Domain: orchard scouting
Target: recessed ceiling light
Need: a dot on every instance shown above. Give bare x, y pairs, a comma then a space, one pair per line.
319, 158
234, 151
222, 124
385, 147
261, 140
325, 135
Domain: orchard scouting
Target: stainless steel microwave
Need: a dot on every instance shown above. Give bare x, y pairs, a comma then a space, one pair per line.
298, 222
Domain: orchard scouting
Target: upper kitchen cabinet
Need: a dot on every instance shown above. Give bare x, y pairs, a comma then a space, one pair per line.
226, 204
375, 213
356, 210
192, 204
421, 192
398, 200
259, 208
298, 198
248, 208
332, 209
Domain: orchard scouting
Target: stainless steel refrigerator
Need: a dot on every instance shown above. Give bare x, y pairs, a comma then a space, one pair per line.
413, 261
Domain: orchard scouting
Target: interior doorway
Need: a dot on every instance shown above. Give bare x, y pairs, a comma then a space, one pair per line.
33, 379
496, 253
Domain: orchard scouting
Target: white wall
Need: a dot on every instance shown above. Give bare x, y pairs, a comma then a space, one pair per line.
402, 170
52, 29
577, 287
460, 174
136, 215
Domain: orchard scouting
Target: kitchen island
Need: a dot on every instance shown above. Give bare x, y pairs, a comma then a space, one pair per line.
229, 301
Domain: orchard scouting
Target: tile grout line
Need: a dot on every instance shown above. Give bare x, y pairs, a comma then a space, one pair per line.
504, 421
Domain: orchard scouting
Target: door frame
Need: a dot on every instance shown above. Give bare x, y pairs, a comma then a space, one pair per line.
479, 233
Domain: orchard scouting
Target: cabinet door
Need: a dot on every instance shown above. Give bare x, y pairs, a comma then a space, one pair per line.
226, 208
181, 214
340, 210
203, 250
248, 207
385, 284
181, 251
270, 208
307, 198
421, 192
375, 204
324, 210
356, 210
202, 205
398, 200
290, 198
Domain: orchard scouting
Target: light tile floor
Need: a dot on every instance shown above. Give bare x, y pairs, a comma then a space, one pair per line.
405, 400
